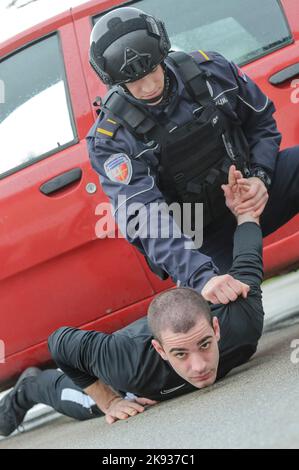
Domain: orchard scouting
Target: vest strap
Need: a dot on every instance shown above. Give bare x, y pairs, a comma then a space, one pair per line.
194, 79
136, 119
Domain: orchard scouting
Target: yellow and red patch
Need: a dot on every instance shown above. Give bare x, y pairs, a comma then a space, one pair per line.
118, 168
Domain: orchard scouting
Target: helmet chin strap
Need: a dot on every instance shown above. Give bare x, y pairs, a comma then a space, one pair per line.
153, 100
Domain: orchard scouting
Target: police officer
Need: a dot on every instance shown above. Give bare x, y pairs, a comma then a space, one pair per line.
169, 129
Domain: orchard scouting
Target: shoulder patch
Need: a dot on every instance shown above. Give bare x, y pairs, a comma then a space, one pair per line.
118, 168
108, 127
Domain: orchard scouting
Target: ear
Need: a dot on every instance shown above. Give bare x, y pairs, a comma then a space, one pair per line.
216, 328
159, 349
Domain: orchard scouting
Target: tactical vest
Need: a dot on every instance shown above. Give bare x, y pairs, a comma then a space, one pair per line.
194, 158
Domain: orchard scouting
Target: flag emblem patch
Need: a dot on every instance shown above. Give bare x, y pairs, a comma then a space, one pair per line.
118, 168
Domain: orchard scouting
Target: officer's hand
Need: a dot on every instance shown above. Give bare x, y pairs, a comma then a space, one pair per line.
234, 176
224, 289
254, 198
233, 192
124, 409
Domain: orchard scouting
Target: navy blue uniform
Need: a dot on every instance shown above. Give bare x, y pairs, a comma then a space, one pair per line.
127, 361
232, 90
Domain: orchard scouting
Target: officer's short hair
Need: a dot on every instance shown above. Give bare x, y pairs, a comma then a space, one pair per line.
177, 309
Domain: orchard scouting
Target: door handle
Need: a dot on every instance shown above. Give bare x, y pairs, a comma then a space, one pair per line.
61, 181
284, 74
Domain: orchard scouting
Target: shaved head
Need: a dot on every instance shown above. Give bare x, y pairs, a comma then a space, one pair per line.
178, 310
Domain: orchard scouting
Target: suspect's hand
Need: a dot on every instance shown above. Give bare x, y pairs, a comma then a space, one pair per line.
233, 192
224, 289
124, 409
254, 197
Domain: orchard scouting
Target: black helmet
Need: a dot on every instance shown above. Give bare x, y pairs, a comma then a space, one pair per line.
126, 44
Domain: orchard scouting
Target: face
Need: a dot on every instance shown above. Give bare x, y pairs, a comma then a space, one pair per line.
149, 86
193, 355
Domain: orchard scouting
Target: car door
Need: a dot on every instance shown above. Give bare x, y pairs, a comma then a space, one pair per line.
55, 270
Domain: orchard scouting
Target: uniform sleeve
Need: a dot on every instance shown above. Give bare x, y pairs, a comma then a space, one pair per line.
253, 108
255, 111
175, 253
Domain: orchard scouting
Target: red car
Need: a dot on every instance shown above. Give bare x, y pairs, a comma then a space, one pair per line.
54, 269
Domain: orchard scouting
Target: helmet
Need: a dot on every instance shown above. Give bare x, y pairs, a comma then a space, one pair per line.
126, 44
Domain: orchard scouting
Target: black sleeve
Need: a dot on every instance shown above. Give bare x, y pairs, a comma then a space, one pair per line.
86, 356
241, 322
247, 255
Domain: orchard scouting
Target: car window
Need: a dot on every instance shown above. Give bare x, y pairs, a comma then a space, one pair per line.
35, 114
241, 30
18, 15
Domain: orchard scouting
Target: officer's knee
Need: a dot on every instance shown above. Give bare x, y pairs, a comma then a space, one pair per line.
292, 161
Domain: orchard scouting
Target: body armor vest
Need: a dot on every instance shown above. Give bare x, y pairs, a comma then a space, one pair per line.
194, 158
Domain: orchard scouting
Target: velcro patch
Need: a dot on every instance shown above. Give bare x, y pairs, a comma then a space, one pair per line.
108, 128
118, 168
